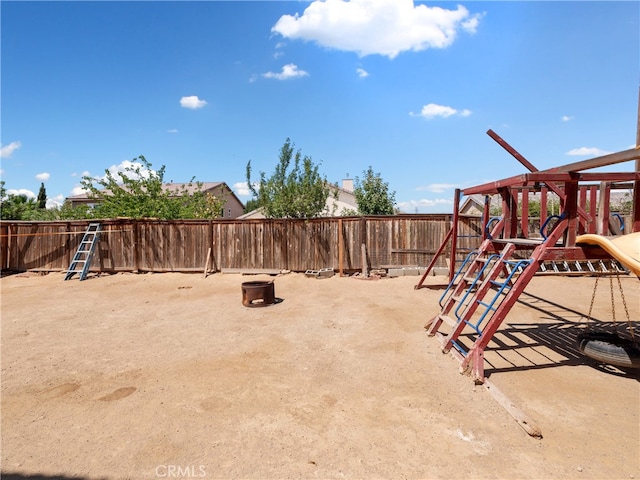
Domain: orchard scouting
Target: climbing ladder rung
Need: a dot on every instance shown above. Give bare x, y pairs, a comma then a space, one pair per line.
448, 320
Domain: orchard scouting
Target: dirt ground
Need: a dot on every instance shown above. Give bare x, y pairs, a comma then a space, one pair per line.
169, 376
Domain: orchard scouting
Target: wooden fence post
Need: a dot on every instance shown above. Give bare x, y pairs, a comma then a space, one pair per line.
136, 250
340, 249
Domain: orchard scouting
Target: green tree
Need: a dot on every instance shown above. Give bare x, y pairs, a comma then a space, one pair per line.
251, 205
16, 207
373, 196
138, 192
42, 197
299, 192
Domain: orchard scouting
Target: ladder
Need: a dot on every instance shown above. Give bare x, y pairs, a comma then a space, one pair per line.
477, 300
580, 267
82, 258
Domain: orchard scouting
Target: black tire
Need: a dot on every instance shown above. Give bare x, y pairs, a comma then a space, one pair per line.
609, 348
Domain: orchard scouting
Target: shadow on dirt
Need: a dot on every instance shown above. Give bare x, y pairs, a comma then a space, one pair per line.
39, 476
529, 346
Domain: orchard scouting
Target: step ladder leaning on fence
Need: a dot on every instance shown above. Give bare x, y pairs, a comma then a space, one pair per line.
82, 259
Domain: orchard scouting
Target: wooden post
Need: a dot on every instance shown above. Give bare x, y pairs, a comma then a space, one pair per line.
206, 264
136, 248
486, 214
525, 212
543, 205
211, 246
571, 209
593, 208
454, 234
582, 227
603, 209
365, 270
636, 184
340, 249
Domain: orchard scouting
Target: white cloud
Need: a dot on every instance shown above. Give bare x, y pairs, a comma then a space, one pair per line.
566, 118
377, 27
43, 177
57, 201
362, 73
433, 110
242, 189
128, 164
192, 102
77, 190
21, 191
424, 203
7, 150
592, 151
289, 71
438, 187
172, 130
1, 172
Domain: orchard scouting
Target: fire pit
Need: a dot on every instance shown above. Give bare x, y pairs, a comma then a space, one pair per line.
258, 294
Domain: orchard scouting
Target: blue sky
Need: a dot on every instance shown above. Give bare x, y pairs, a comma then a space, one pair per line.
409, 88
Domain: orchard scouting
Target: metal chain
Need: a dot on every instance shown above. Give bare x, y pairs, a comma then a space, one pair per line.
613, 303
593, 297
626, 309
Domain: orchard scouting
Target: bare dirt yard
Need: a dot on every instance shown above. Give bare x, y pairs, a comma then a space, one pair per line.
169, 376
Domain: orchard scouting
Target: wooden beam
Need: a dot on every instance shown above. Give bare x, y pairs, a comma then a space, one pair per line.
518, 415
635, 211
603, 161
454, 233
528, 165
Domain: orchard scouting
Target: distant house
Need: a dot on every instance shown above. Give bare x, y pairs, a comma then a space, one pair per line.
335, 207
472, 205
233, 207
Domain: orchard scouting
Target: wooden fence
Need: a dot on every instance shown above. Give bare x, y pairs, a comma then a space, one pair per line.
181, 246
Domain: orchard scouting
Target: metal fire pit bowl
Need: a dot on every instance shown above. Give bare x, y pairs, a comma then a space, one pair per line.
258, 294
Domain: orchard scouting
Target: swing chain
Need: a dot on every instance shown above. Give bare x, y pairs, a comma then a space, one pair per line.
613, 303
626, 309
593, 297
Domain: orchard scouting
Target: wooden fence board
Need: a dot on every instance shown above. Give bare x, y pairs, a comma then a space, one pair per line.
273, 244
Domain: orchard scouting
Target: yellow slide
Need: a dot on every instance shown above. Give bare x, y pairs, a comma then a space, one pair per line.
624, 248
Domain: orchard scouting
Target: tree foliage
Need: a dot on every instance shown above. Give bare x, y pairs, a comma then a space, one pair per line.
296, 192
42, 196
15, 207
373, 196
138, 193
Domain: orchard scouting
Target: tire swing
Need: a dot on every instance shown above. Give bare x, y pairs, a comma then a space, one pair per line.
610, 348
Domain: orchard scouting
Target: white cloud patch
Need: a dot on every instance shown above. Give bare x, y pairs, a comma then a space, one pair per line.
21, 191
192, 102
591, 151
377, 27
242, 189
424, 203
438, 187
566, 118
172, 130
362, 73
7, 150
288, 72
54, 202
43, 177
433, 110
78, 190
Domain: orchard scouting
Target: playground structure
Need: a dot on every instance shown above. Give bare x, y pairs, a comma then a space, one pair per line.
484, 288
